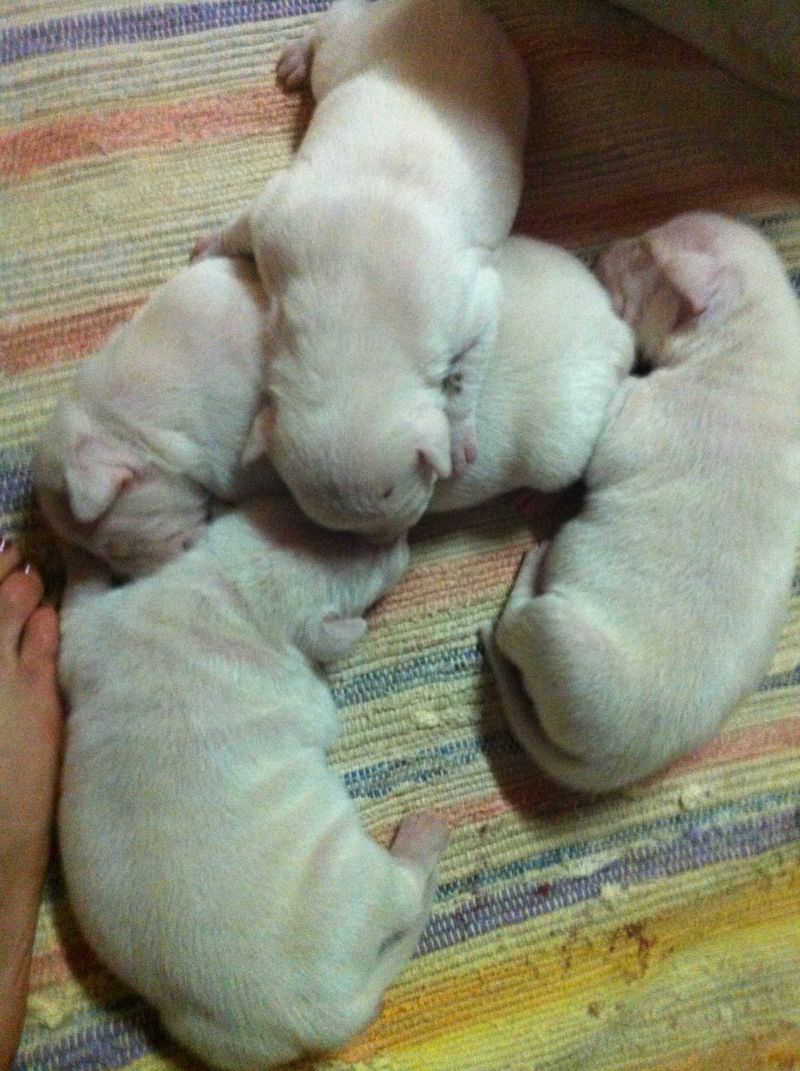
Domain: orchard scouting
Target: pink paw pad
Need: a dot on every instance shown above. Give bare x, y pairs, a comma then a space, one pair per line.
421, 837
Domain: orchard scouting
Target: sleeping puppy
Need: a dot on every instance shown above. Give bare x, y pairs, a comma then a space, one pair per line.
212, 858
374, 244
155, 423
560, 356
654, 611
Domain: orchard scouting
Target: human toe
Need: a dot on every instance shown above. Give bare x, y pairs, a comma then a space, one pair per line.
39, 646
20, 593
10, 558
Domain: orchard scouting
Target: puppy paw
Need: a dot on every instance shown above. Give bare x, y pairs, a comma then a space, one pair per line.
205, 246
463, 447
294, 66
421, 838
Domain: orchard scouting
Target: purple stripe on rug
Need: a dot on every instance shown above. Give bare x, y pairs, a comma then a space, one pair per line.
621, 842
16, 487
155, 23
696, 849
111, 1044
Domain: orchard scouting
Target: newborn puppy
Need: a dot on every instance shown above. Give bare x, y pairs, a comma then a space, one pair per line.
212, 858
657, 608
560, 356
375, 243
155, 423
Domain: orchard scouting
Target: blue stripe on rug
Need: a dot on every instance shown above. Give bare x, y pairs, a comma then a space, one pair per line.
154, 23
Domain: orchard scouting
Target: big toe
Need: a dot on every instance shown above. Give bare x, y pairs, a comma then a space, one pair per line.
20, 594
39, 669
40, 639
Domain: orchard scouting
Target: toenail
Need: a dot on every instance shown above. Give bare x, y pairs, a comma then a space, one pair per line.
27, 568
5, 544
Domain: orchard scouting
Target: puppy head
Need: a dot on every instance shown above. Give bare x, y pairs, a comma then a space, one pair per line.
359, 465
696, 269
101, 493
378, 300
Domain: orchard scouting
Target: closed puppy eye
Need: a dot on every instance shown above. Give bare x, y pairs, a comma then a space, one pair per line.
391, 940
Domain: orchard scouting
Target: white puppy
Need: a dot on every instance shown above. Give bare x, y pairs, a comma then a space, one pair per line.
374, 243
658, 607
212, 858
560, 356
155, 423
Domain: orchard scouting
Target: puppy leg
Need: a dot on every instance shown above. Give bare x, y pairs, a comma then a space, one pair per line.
336, 28
294, 65
563, 658
341, 43
389, 905
233, 240
419, 842
571, 695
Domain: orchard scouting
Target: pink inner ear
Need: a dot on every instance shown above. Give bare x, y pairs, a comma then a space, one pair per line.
699, 280
99, 472
687, 311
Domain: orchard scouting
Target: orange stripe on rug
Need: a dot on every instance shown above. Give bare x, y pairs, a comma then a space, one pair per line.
73, 959
49, 342
451, 583
783, 735
252, 111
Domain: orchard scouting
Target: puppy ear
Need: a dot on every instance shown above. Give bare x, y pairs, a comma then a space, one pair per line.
334, 636
626, 270
255, 445
432, 441
702, 284
98, 471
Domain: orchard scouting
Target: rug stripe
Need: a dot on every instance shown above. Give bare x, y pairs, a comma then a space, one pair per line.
120, 1040
133, 26
259, 109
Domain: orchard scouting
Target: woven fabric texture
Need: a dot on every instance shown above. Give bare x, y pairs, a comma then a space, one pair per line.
655, 929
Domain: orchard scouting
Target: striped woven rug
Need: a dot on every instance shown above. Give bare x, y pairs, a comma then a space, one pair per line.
656, 929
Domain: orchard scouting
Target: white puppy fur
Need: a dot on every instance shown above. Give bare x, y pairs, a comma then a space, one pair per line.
374, 243
655, 610
155, 423
560, 357
212, 858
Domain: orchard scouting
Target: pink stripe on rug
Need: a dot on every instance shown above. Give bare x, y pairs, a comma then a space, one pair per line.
261, 109
51, 342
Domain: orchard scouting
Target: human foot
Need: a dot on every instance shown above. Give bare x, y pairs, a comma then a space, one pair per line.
31, 720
